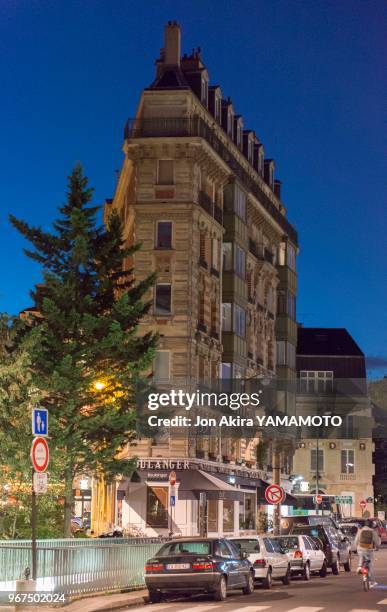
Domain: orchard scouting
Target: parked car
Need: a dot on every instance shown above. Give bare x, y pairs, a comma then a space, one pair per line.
350, 531
267, 557
335, 546
304, 554
379, 525
287, 522
209, 565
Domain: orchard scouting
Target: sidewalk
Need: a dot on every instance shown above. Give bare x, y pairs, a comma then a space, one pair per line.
93, 603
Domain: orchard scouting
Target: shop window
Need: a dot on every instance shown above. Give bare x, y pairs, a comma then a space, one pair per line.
164, 235
163, 299
228, 515
157, 507
165, 174
247, 512
212, 515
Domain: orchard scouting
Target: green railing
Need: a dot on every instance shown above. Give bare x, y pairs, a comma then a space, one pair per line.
78, 566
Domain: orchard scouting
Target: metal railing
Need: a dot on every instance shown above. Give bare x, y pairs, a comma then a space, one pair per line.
196, 126
78, 566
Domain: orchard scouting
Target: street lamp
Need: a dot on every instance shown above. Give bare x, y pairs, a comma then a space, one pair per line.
99, 385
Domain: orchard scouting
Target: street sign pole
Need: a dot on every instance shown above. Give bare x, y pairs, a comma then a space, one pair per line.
33, 526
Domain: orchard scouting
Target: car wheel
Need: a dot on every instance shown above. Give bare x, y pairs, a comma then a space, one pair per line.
306, 572
286, 579
323, 570
335, 568
249, 588
155, 596
267, 582
221, 590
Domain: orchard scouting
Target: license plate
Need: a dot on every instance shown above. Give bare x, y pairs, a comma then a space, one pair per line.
178, 566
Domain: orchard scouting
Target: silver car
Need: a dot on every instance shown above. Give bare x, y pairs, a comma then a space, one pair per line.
269, 560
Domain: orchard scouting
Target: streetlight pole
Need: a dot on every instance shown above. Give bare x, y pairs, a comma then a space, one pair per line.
317, 472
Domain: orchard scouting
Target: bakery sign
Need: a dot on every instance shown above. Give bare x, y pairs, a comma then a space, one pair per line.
160, 465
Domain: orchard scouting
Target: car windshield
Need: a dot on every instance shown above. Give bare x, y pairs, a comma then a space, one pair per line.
289, 542
178, 548
350, 530
249, 545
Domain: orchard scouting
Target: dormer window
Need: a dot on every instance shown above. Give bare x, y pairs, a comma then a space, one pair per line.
218, 107
238, 131
230, 122
248, 145
269, 172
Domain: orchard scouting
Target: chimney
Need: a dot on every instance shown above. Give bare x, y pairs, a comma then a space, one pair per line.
277, 188
172, 37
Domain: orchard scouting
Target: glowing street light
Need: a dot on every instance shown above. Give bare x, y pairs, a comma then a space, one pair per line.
99, 385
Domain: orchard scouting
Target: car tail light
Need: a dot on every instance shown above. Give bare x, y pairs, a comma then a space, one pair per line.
298, 554
203, 565
260, 563
154, 567
364, 571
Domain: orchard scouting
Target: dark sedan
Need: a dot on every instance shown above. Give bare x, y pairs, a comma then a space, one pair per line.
206, 565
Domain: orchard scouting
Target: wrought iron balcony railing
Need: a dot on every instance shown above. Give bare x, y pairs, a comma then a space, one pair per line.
196, 126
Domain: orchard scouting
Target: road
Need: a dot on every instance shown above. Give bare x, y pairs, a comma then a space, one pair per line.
343, 593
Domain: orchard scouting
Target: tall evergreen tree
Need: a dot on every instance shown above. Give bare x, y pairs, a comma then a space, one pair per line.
90, 354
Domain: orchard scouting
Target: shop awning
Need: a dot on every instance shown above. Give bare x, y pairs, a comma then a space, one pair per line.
197, 481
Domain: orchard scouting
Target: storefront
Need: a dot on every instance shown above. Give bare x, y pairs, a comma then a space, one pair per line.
209, 498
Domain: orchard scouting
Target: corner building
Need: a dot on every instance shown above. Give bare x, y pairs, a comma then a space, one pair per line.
196, 191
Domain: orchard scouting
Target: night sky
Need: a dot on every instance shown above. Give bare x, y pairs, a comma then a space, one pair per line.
308, 76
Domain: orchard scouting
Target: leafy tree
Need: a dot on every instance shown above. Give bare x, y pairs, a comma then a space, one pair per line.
89, 356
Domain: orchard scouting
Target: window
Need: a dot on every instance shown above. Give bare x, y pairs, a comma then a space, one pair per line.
347, 461
202, 247
212, 515
228, 515
222, 550
175, 548
247, 512
240, 202
165, 172
161, 365
227, 256
291, 305
239, 321
164, 235
239, 372
286, 304
291, 256
157, 507
226, 370
163, 298
249, 545
307, 544
286, 354
268, 545
316, 381
226, 317
313, 460
215, 254
240, 261
282, 254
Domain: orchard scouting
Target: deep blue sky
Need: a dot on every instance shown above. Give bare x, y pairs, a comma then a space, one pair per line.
308, 76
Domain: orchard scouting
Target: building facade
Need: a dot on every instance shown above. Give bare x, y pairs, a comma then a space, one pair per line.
197, 192
332, 380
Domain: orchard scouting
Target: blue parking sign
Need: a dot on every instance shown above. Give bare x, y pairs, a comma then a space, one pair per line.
39, 422
172, 500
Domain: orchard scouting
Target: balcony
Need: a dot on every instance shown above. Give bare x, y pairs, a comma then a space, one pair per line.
196, 126
347, 477
210, 207
261, 252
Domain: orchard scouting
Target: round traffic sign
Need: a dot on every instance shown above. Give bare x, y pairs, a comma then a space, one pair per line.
172, 478
363, 504
318, 499
274, 494
39, 454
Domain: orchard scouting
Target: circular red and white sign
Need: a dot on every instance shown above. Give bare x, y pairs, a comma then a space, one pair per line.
362, 504
318, 499
39, 454
274, 494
